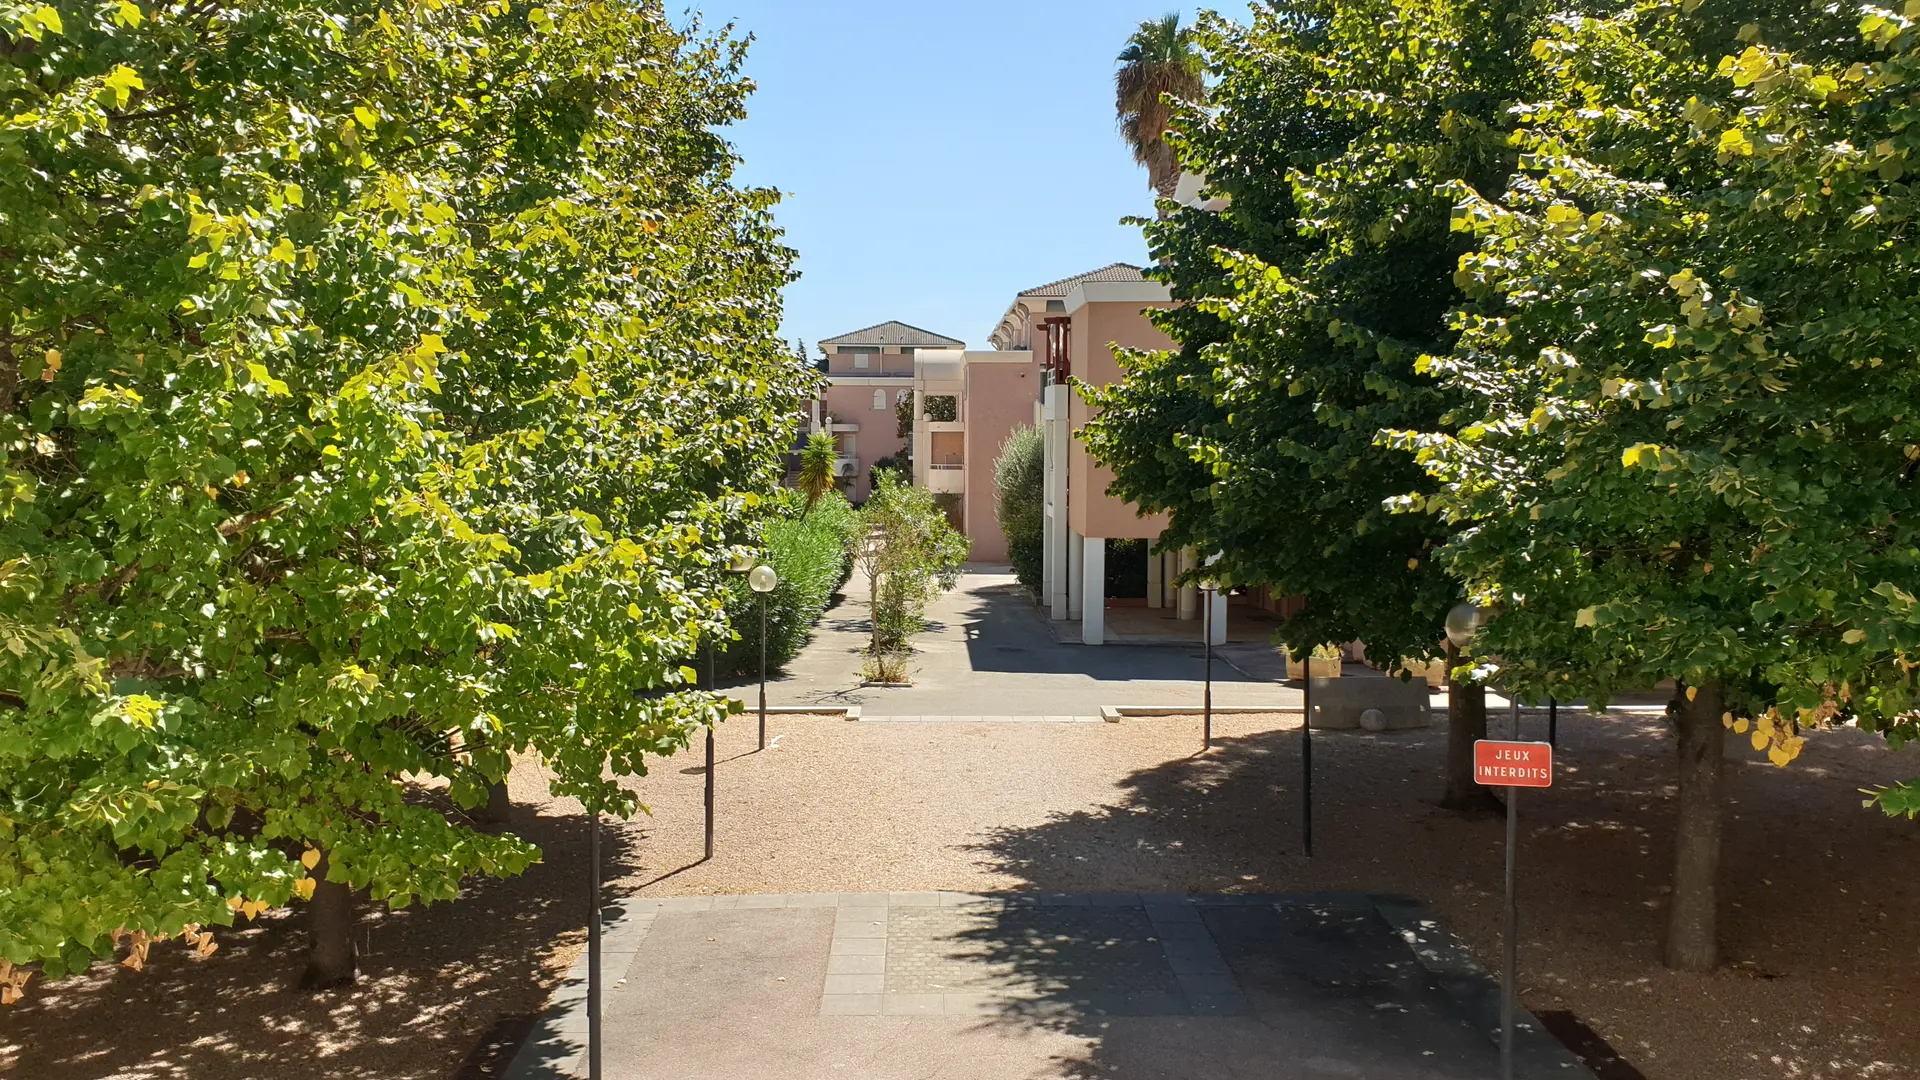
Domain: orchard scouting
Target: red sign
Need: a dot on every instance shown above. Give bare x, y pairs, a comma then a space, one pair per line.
1512, 764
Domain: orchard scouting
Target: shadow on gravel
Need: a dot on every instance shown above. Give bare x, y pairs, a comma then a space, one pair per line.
240, 1015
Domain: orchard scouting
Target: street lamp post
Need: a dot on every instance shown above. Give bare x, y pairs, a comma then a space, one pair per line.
763, 580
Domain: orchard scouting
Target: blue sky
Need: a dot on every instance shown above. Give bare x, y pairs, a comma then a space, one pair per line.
937, 158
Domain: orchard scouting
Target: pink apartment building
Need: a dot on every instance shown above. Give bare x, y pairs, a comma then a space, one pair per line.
967, 402
869, 372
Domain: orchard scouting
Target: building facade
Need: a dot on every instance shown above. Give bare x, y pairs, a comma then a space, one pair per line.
965, 404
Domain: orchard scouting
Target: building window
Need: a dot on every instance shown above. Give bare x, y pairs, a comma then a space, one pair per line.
860, 360
1056, 305
879, 401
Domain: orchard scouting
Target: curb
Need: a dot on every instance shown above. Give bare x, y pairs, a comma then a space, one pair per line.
1113, 714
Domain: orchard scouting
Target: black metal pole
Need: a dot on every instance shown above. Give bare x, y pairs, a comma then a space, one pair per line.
710, 682
1206, 730
763, 671
593, 948
1512, 933
1553, 720
1306, 762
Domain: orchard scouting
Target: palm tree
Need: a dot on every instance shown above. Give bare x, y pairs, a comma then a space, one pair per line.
1160, 59
817, 460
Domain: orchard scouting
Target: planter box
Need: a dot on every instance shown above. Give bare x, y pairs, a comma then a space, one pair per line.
1315, 667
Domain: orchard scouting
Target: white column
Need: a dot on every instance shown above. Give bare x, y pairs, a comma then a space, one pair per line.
1154, 593
1189, 596
1058, 588
1217, 625
1076, 578
1169, 569
1093, 622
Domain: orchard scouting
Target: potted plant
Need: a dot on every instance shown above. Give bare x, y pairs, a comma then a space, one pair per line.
1324, 663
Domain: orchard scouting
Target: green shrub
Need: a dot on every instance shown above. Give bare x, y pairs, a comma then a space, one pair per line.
810, 553
908, 553
1019, 479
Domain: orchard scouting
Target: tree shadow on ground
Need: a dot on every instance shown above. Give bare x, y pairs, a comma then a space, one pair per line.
439, 985
1595, 851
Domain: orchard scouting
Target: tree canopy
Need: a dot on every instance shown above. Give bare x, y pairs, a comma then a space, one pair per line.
383, 387
1688, 430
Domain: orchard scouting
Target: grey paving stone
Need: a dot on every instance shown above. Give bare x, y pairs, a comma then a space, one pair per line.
763, 900
913, 899
859, 947
850, 1005
1234, 1004
849, 983
1208, 983
913, 1004
859, 928
856, 965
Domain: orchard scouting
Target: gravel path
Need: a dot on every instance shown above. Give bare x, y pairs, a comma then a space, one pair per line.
1822, 911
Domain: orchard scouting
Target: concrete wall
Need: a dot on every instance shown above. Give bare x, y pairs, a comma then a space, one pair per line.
1097, 325
877, 437
882, 363
1001, 390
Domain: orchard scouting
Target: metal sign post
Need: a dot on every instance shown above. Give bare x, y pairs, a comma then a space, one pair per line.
1512, 765
1206, 709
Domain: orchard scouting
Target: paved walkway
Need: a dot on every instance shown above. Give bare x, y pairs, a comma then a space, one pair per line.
959, 986
989, 652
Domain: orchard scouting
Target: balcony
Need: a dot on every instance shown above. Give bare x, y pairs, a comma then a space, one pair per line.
944, 478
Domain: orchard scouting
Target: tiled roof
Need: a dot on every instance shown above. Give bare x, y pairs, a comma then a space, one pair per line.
1110, 272
895, 333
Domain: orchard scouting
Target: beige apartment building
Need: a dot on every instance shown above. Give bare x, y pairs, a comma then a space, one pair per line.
967, 401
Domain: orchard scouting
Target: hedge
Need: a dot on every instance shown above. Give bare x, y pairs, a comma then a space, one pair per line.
810, 555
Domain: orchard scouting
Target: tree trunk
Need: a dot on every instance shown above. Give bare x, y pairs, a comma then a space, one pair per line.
1466, 723
1692, 935
330, 953
499, 808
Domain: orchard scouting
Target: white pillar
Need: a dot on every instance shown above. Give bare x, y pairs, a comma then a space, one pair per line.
1217, 625
1055, 432
1093, 622
1076, 577
1154, 594
1189, 596
1169, 569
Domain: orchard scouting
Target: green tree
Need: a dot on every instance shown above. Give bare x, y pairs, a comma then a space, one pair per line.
908, 553
1688, 445
1019, 482
1330, 128
1160, 62
345, 381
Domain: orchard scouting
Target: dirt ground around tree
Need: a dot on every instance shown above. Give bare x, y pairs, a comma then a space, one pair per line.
1821, 900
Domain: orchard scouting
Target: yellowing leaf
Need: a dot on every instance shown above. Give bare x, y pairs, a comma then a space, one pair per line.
582, 383
1854, 636
282, 252
365, 117
1760, 741
310, 858
294, 194
52, 366
1733, 142
1584, 617
122, 81
1741, 725
1692, 692
128, 14
41, 18
304, 888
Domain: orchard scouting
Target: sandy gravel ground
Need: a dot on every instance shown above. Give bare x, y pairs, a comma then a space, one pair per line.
1821, 901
